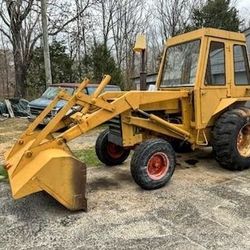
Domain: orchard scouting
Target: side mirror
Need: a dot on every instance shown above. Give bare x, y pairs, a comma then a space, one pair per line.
140, 43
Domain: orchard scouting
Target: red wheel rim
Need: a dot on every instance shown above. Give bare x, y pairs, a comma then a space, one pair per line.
157, 166
114, 150
243, 141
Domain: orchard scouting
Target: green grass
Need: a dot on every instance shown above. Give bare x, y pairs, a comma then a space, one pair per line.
3, 173
87, 156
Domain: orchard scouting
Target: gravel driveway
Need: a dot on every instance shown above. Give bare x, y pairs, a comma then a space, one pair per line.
203, 207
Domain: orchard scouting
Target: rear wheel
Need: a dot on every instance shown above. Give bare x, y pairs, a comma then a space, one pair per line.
231, 139
153, 164
109, 153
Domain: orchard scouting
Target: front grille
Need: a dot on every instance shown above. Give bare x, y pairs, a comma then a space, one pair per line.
37, 111
115, 130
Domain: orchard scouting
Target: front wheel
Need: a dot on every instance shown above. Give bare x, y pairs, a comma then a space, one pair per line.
153, 164
109, 153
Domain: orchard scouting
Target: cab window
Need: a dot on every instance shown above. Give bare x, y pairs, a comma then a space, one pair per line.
215, 72
181, 64
241, 66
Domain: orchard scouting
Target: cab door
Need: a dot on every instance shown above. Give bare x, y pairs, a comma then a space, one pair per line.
216, 80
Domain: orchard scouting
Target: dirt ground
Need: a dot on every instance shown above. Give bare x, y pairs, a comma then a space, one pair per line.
203, 207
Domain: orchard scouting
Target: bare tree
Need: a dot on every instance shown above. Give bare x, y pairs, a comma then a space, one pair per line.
4, 68
129, 18
154, 48
174, 15
14, 19
107, 9
79, 36
19, 23
170, 17
103, 13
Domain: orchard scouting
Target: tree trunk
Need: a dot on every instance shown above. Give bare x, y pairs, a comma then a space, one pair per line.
20, 76
6, 73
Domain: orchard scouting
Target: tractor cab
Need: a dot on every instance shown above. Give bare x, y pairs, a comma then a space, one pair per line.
212, 64
202, 58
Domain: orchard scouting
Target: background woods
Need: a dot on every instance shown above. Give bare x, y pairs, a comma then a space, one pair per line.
95, 37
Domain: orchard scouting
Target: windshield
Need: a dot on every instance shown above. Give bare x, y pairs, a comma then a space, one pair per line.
181, 64
91, 90
51, 92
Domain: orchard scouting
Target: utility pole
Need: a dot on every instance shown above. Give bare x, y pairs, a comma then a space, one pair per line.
78, 39
46, 43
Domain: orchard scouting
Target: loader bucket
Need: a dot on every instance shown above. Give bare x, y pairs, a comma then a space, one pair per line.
42, 161
53, 170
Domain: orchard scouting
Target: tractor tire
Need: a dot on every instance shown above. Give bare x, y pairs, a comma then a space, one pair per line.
109, 153
153, 164
231, 144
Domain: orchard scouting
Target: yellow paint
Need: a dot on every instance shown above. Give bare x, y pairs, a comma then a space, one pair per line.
41, 161
140, 43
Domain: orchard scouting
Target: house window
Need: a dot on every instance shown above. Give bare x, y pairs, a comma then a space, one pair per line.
215, 73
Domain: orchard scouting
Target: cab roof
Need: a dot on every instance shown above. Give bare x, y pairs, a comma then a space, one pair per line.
206, 32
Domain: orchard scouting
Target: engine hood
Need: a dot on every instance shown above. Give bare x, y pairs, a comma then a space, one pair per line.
42, 103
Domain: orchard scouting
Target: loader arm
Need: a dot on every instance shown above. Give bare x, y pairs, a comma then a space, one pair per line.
39, 161
131, 100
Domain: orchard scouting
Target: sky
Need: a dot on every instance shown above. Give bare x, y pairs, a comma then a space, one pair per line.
244, 3
244, 8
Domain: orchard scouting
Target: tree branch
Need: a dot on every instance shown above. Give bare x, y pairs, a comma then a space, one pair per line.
6, 34
70, 20
4, 19
27, 10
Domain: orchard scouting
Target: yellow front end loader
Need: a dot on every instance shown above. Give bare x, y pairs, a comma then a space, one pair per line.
203, 86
